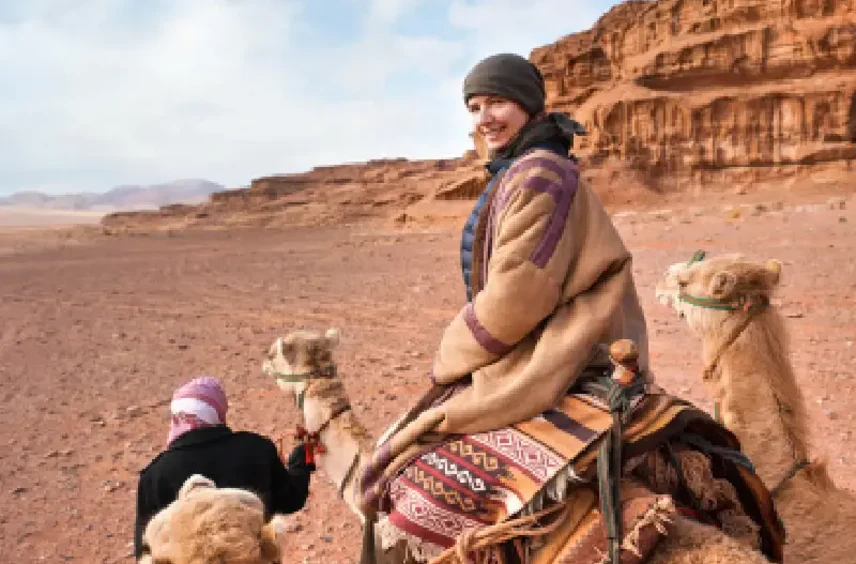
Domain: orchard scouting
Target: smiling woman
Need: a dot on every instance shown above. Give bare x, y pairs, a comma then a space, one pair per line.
547, 277
503, 93
496, 119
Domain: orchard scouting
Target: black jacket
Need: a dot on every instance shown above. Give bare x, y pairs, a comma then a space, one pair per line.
231, 459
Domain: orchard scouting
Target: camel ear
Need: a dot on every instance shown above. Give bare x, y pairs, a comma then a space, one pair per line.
273, 350
332, 336
270, 541
721, 284
197, 481
773, 268
288, 348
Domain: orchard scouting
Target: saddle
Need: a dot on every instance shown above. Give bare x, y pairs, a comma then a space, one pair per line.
673, 459
618, 456
661, 456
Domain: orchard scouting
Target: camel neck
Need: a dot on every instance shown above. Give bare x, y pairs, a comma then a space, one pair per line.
344, 440
758, 398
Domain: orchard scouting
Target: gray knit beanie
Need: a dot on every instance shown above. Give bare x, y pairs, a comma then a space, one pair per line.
509, 76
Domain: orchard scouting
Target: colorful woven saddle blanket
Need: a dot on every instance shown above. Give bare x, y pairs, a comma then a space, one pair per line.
480, 479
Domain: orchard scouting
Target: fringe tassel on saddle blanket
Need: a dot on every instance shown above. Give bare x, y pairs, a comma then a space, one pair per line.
483, 545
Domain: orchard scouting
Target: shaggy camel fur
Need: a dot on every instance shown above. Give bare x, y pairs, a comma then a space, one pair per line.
294, 358
210, 525
726, 302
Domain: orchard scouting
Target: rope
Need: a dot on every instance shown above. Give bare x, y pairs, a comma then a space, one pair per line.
752, 309
797, 466
710, 303
323, 372
348, 475
610, 462
318, 373
734, 455
482, 544
312, 439
698, 256
610, 457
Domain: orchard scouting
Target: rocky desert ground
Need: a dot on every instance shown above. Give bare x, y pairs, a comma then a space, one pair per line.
98, 330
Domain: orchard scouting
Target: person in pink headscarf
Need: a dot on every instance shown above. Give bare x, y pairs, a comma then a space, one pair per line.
200, 442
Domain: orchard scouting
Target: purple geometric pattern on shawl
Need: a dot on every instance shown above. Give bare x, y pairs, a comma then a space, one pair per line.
562, 192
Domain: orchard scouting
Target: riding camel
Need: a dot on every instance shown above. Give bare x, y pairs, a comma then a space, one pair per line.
207, 524
726, 301
303, 365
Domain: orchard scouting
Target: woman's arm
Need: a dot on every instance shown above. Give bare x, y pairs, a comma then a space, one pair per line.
529, 263
290, 485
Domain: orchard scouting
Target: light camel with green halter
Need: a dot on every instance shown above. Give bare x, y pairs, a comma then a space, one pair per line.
726, 301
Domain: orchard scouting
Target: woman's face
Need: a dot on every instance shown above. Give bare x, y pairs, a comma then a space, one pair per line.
496, 119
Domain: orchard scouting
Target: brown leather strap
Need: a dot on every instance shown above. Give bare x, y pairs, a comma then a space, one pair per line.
751, 311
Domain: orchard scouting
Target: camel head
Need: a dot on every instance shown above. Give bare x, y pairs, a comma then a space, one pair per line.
299, 357
706, 291
211, 525
667, 287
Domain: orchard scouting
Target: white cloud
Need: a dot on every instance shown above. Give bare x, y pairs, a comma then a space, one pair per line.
102, 101
515, 26
389, 11
96, 93
211, 88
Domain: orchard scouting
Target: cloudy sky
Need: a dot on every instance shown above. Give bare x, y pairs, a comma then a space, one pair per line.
97, 93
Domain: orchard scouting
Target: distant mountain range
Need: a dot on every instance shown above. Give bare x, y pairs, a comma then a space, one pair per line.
120, 198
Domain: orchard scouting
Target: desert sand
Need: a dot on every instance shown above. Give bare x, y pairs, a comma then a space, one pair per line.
97, 331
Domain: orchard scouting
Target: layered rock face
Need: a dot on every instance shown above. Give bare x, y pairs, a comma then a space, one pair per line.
327, 195
697, 91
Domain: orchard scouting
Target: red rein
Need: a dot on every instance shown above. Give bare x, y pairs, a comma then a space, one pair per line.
312, 443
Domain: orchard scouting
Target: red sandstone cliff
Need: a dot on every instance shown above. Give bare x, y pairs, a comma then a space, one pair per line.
325, 195
700, 91
686, 95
